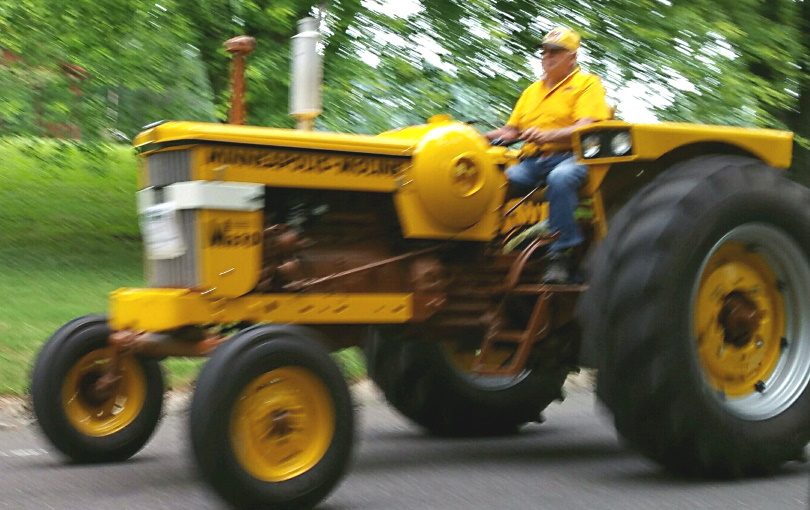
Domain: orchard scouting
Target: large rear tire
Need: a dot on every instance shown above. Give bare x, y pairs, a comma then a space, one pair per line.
699, 305
84, 423
428, 382
271, 419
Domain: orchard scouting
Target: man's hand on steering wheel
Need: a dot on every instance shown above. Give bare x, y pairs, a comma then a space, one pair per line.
503, 142
504, 136
536, 136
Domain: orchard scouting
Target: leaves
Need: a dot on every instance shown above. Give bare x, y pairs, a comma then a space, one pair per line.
390, 63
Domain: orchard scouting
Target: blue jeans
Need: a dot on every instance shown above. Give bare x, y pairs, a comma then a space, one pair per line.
563, 178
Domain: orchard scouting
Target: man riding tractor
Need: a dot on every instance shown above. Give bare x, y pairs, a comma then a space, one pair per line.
545, 117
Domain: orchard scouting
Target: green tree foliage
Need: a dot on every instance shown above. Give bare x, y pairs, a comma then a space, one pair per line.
742, 62
272, 23
391, 63
134, 54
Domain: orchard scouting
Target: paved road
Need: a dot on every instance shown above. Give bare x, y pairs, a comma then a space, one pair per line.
573, 461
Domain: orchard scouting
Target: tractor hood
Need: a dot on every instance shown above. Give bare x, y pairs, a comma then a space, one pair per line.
187, 133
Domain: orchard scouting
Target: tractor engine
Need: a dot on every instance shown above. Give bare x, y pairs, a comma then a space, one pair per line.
235, 211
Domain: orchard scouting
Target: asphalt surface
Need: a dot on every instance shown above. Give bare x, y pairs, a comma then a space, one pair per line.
572, 461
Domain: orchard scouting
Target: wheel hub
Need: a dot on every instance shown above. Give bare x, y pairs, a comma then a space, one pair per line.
92, 392
99, 403
280, 424
740, 319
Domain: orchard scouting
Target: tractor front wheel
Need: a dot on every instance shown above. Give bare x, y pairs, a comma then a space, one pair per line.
89, 412
271, 419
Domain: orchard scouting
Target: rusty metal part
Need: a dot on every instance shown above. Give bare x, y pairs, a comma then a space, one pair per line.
499, 320
519, 265
240, 47
514, 231
290, 270
428, 275
564, 288
106, 385
538, 327
266, 279
309, 283
427, 304
330, 232
159, 346
740, 319
288, 241
474, 286
272, 256
280, 239
95, 390
279, 265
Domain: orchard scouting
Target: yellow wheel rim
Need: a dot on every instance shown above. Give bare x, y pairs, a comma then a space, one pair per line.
737, 285
95, 413
282, 424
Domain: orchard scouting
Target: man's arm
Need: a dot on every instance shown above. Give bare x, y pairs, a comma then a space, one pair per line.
506, 133
539, 136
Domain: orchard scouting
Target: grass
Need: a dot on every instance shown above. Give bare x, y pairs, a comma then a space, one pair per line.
68, 236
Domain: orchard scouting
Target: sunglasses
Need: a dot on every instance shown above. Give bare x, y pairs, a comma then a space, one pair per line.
552, 51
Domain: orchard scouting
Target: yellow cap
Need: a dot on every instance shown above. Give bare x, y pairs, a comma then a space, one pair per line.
563, 38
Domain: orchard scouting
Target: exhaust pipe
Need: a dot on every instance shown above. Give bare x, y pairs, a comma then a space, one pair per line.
307, 74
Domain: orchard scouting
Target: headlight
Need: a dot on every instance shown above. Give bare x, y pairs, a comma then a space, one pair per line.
606, 143
591, 145
621, 144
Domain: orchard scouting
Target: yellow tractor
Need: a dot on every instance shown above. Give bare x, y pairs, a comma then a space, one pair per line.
267, 249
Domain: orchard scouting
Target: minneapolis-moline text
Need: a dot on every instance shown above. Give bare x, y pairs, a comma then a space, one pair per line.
290, 161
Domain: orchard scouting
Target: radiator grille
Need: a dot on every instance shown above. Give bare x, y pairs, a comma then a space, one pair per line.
166, 168
169, 167
180, 272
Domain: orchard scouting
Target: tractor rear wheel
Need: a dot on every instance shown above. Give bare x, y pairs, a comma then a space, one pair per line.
430, 382
700, 306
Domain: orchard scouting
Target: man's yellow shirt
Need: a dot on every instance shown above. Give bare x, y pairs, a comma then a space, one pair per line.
578, 96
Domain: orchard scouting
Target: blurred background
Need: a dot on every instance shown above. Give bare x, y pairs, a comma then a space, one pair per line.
79, 78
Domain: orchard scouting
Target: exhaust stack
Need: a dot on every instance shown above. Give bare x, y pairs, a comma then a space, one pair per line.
307, 72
